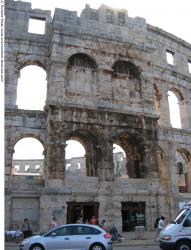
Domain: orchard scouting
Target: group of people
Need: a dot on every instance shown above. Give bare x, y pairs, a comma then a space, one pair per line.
159, 226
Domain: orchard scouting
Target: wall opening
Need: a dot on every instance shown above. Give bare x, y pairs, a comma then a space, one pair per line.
75, 156
28, 158
32, 88
174, 110
170, 57
36, 25
119, 160
189, 66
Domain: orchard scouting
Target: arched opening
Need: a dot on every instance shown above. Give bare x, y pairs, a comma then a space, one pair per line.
28, 158
133, 164
75, 156
119, 160
32, 88
126, 68
174, 109
81, 60
183, 166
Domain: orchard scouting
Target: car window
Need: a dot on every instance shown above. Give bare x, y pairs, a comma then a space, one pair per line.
62, 231
83, 230
181, 216
187, 222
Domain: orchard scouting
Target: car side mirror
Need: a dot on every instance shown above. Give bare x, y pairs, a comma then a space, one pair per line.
53, 234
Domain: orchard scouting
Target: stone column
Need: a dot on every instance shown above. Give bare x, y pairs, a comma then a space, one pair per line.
55, 153
185, 114
165, 111
11, 81
105, 161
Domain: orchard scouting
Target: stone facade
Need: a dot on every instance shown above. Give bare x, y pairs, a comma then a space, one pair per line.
107, 82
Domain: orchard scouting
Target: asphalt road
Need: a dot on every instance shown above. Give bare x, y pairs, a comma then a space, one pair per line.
114, 248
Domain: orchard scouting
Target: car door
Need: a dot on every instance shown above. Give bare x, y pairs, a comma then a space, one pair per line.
58, 239
186, 229
82, 237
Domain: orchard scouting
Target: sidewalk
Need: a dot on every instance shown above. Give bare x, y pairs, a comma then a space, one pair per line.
129, 239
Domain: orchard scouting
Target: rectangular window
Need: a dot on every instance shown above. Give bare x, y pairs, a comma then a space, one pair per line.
27, 167
36, 25
94, 15
121, 18
170, 57
109, 16
189, 66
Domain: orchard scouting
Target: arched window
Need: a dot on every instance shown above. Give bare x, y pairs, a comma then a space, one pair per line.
75, 158
81, 60
126, 68
119, 160
28, 158
31, 90
174, 110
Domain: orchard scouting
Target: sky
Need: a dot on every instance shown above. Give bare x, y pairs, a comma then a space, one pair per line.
172, 16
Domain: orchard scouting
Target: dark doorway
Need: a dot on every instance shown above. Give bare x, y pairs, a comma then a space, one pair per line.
84, 209
133, 214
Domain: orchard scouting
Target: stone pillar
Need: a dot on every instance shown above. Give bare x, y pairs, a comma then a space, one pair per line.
11, 80
105, 162
151, 162
55, 152
165, 111
185, 114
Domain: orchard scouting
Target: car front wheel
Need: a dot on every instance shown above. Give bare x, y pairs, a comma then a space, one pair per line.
183, 245
36, 247
97, 246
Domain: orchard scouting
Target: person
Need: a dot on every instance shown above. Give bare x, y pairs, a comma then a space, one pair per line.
86, 221
156, 228
54, 223
79, 220
93, 220
26, 228
161, 226
102, 224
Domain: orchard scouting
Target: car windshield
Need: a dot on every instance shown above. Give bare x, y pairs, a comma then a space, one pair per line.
181, 216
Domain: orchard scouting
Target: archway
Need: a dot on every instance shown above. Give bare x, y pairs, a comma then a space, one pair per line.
119, 160
75, 158
32, 88
28, 158
174, 108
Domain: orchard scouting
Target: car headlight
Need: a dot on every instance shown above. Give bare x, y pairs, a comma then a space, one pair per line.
167, 237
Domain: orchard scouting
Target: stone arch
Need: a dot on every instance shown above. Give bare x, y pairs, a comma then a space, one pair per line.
183, 169
89, 143
81, 75
126, 68
175, 97
29, 62
35, 163
33, 82
119, 160
134, 149
81, 60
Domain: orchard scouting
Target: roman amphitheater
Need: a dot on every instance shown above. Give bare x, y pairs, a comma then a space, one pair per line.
109, 78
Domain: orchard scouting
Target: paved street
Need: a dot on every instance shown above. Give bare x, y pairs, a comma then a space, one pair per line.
16, 247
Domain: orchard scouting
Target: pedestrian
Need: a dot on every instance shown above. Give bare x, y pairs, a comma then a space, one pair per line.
79, 220
54, 223
26, 228
93, 220
156, 228
102, 224
161, 226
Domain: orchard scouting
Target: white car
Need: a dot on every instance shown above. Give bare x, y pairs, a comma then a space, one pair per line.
177, 235
70, 236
